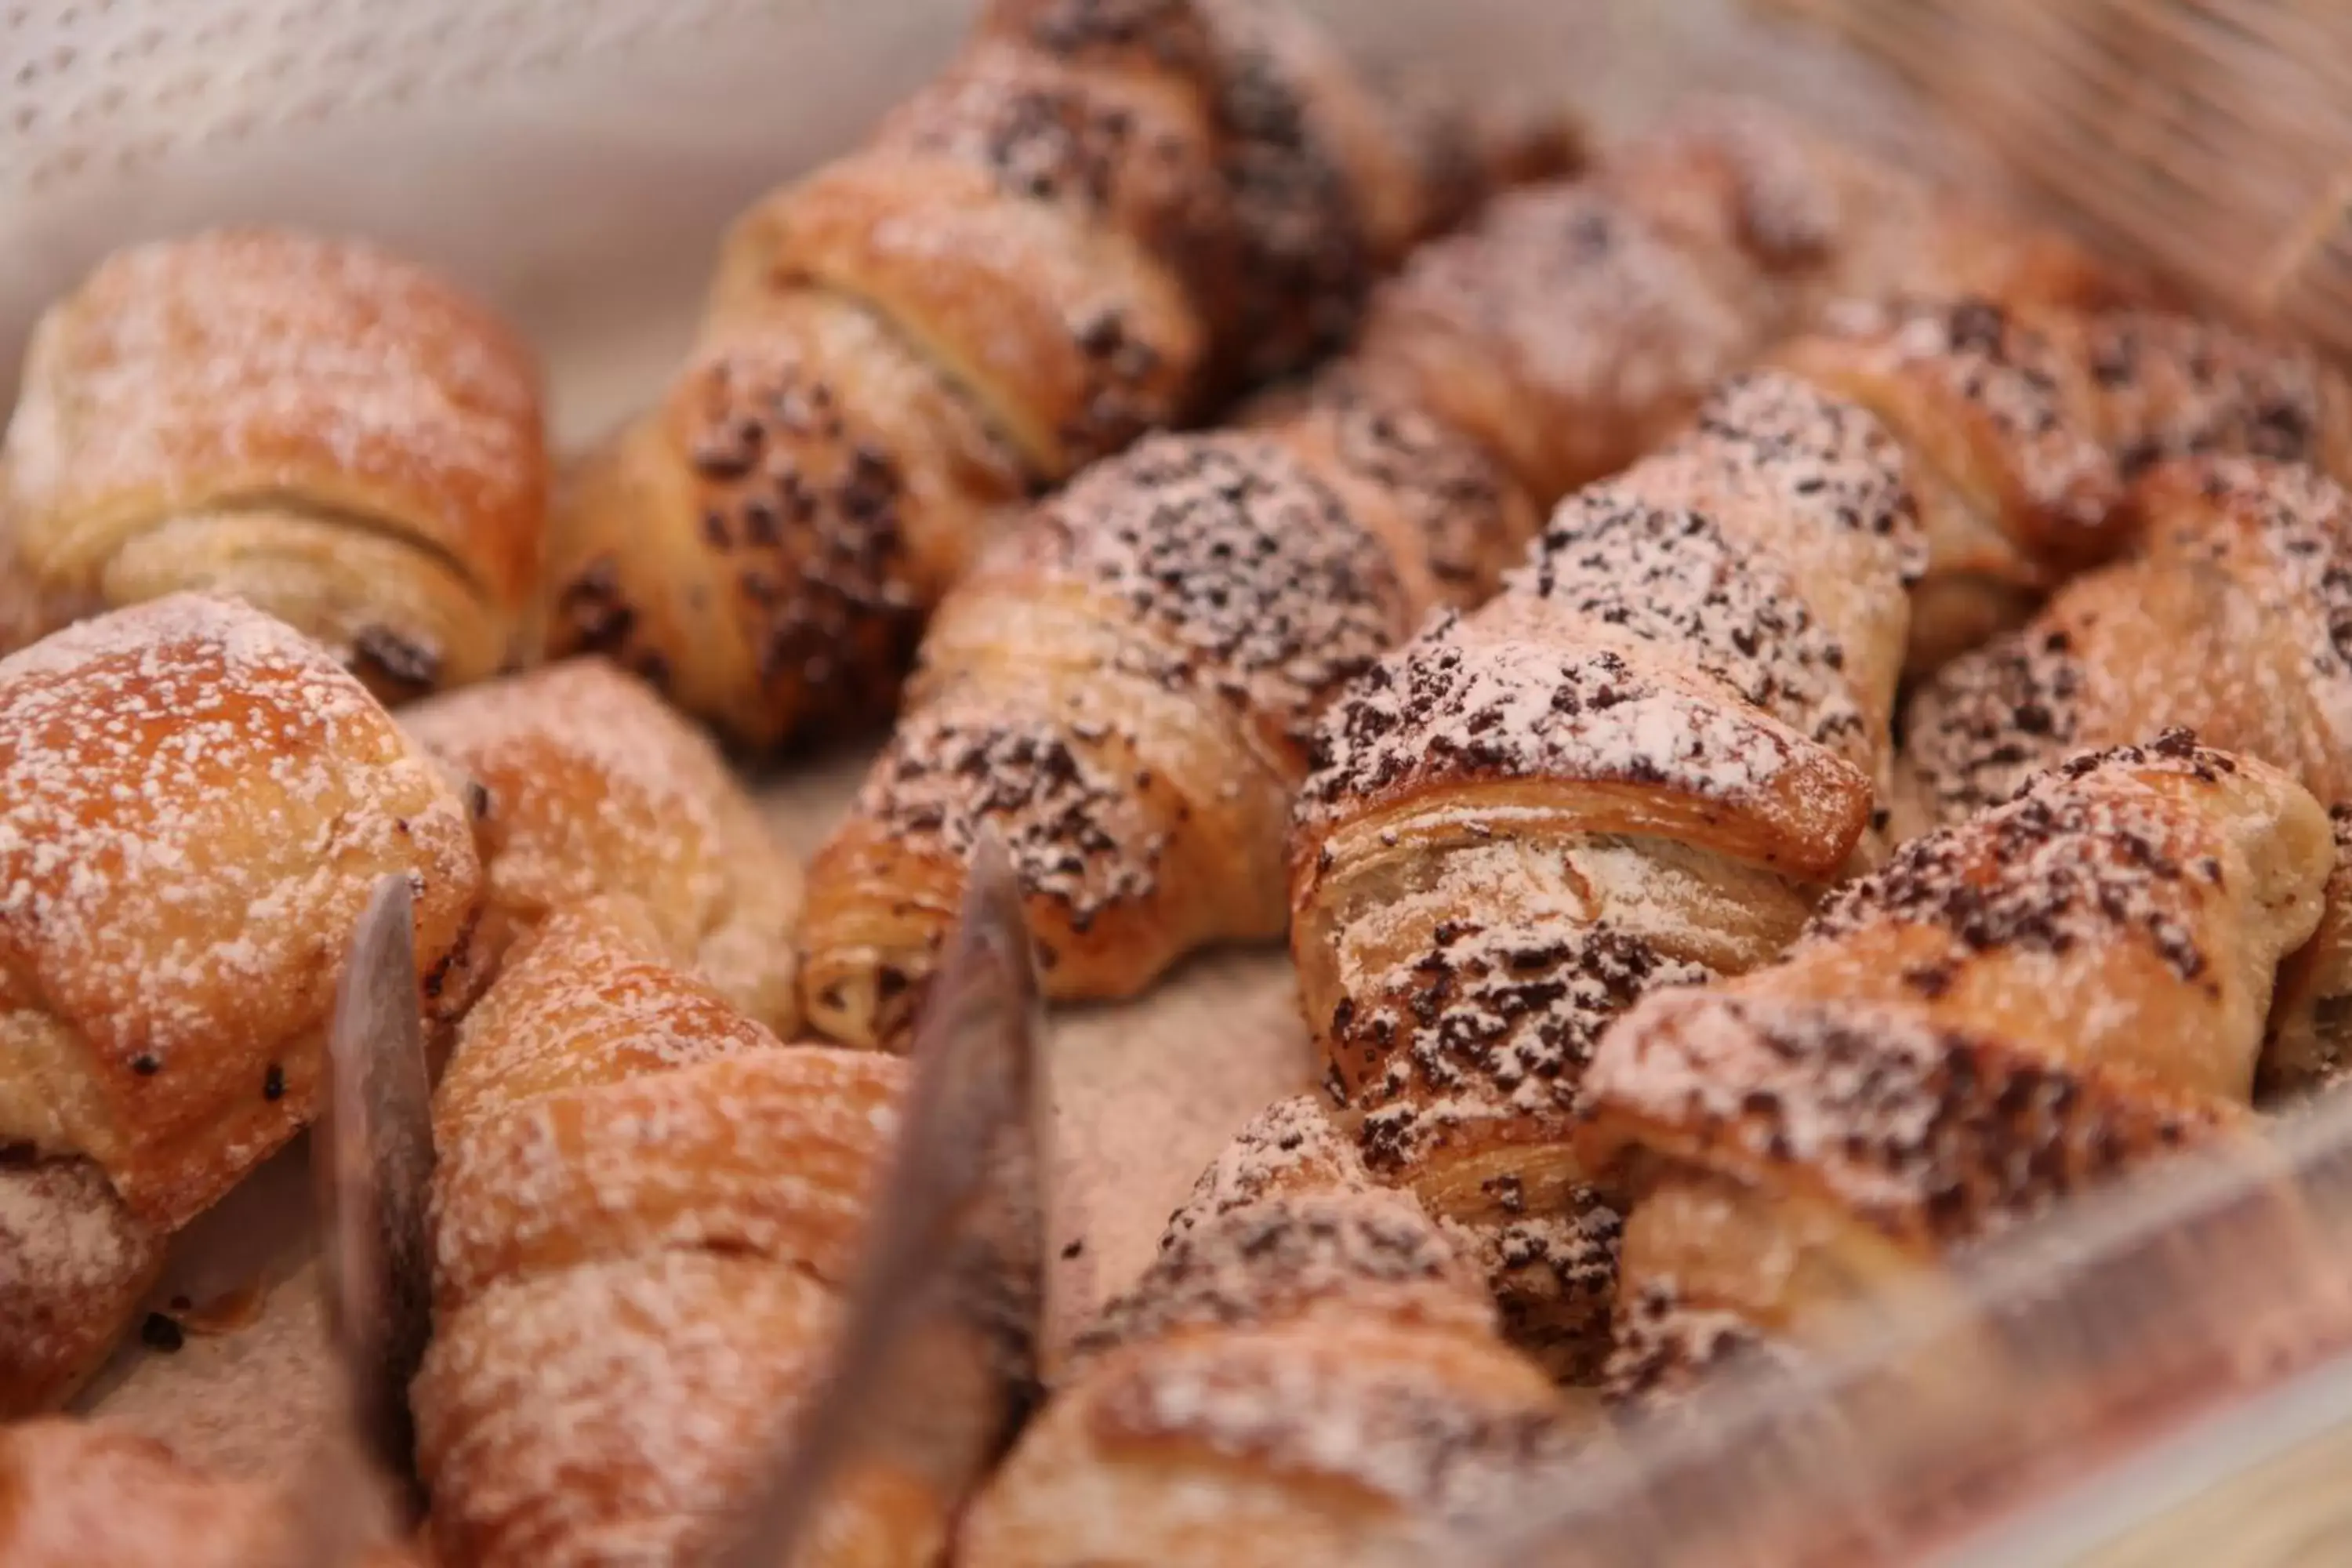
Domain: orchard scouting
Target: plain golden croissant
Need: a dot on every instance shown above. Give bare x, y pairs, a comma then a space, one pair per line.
595, 786
1307, 1369
2012, 1009
2231, 618
644, 1215
1100, 215
1127, 685
87, 1495
1633, 768
196, 802
314, 427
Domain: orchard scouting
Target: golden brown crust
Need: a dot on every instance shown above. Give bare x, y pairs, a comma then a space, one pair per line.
761, 547
2230, 620
255, 372
596, 787
197, 804
1073, 340
2002, 423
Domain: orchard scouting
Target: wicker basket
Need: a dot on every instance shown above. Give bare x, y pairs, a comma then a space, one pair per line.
2212, 138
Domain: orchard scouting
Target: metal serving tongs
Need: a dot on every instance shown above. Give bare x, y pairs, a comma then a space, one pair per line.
2158, 1374
372, 1163
956, 1239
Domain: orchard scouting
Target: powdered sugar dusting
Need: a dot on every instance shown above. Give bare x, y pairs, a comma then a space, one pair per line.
1494, 1024
239, 360
1671, 577
2022, 381
194, 802
597, 787
1928, 1131
1453, 706
1249, 573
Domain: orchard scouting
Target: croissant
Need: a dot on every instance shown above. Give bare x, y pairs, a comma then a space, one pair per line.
2027, 421
1307, 1370
2231, 619
326, 431
1127, 684
644, 1216
597, 787
87, 1495
2001, 414
1633, 768
196, 802
1099, 216
2013, 1009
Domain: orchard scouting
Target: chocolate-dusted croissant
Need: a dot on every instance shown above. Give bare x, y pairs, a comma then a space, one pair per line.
2232, 618
326, 431
1101, 216
2031, 1003
196, 802
1308, 1373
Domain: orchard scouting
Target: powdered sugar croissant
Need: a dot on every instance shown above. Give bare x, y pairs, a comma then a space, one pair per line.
1098, 217
596, 786
645, 1216
2028, 1003
1307, 1370
194, 804
322, 429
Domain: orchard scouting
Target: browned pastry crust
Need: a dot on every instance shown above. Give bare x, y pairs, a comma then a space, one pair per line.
1308, 1370
2001, 419
645, 1216
2029, 1002
87, 1495
2234, 617
321, 428
597, 787
195, 804
1630, 771
1101, 215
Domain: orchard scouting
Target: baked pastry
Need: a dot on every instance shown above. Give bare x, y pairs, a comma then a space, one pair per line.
2000, 411
2029, 1004
1127, 687
1634, 768
2230, 618
645, 1216
1307, 1370
1099, 216
597, 787
2028, 422
196, 802
326, 431
80, 1494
